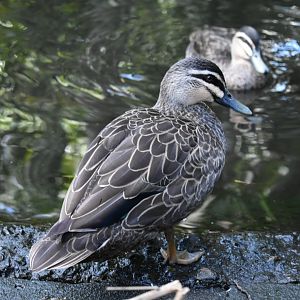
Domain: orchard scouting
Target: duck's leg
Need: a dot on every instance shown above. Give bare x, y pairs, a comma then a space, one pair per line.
172, 256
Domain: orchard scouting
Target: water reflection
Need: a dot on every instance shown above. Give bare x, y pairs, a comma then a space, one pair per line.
67, 69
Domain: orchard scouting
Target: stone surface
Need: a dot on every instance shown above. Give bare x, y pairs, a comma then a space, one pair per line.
21, 289
235, 265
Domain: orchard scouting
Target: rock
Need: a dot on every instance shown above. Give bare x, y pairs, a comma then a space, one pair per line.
251, 259
207, 275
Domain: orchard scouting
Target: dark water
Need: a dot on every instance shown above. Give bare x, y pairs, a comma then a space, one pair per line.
68, 67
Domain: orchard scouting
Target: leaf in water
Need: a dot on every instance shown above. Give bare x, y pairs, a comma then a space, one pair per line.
6, 24
2, 66
66, 83
224, 224
265, 205
64, 55
61, 80
241, 181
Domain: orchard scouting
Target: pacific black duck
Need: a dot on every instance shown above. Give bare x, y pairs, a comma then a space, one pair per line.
144, 172
237, 53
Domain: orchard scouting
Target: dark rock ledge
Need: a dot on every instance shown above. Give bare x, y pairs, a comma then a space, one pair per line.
234, 266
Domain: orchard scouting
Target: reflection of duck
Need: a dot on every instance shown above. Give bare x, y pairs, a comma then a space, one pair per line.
147, 170
242, 123
238, 55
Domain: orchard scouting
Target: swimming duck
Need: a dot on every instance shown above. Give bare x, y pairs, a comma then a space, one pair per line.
237, 54
144, 172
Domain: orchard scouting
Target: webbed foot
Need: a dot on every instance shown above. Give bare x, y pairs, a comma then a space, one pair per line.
172, 256
181, 257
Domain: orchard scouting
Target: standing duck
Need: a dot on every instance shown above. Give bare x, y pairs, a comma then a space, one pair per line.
144, 172
237, 54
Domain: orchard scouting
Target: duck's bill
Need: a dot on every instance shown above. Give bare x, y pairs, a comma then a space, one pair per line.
258, 63
234, 104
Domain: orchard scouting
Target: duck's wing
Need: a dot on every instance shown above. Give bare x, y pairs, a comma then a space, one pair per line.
142, 171
198, 175
134, 158
213, 43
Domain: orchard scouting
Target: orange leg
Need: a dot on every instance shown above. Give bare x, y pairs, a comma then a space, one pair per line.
172, 256
171, 252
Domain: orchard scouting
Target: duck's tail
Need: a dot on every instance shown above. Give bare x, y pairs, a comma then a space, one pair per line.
63, 251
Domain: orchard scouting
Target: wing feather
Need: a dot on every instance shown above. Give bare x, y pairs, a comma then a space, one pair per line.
135, 169
139, 171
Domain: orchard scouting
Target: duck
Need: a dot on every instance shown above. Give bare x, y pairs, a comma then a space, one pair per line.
236, 52
145, 171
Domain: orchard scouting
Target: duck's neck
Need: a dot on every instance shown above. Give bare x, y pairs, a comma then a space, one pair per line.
171, 107
200, 113
240, 75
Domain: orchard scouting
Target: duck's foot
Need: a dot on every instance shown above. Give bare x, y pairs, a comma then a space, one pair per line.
181, 257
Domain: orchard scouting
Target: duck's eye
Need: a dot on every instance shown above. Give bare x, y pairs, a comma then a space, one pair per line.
209, 78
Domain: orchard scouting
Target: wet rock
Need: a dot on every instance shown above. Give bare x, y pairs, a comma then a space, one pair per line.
249, 258
206, 275
39, 290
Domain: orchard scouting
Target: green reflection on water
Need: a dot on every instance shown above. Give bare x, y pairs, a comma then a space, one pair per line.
62, 79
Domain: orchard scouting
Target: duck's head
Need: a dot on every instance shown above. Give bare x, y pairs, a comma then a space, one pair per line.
194, 80
245, 46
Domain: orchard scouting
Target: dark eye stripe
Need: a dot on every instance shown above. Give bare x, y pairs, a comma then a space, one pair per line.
246, 42
210, 79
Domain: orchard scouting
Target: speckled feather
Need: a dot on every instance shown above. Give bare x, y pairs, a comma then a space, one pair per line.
212, 43
146, 170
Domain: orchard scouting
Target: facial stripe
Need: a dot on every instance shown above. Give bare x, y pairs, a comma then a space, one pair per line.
201, 74
246, 39
247, 48
211, 81
251, 33
215, 90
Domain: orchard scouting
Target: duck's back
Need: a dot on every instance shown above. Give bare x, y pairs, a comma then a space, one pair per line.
212, 43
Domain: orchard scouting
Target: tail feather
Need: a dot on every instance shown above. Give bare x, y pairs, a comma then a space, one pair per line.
71, 260
60, 252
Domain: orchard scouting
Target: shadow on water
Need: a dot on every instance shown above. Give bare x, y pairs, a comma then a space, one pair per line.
67, 69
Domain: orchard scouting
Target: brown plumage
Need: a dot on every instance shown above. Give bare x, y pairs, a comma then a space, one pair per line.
145, 171
236, 52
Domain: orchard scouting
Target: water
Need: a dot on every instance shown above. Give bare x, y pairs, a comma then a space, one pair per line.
68, 68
